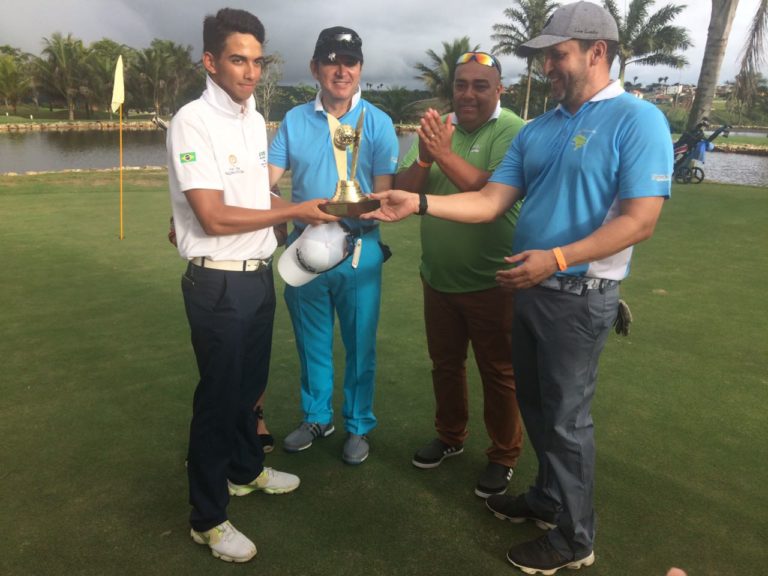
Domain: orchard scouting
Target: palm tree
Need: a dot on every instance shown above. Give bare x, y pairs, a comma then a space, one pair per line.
62, 67
439, 76
743, 93
720, 23
527, 19
649, 39
180, 71
753, 54
102, 56
13, 82
154, 69
397, 102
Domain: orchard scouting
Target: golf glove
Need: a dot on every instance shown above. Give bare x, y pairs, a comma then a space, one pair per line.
623, 319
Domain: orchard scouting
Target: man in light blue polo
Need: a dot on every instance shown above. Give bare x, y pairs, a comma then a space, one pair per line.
594, 173
352, 289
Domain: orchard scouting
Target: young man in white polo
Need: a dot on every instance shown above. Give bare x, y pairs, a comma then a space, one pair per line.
224, 214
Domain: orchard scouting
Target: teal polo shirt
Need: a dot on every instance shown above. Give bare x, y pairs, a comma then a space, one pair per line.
575, 169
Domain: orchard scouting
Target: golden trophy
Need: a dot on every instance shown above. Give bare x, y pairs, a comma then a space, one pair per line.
348, 200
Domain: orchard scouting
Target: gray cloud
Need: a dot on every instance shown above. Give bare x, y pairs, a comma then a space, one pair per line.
396, 33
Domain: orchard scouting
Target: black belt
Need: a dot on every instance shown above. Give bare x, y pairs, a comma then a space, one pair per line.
578, 285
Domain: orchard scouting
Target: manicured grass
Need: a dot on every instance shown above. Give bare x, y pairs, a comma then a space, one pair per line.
98, 375
753, 140
42, 114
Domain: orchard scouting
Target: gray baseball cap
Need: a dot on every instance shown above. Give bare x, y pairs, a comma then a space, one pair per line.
577, 21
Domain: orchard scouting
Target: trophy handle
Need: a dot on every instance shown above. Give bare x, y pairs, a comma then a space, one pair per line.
358, 139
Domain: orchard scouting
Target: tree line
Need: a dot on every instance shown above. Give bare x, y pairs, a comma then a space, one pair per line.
160, 78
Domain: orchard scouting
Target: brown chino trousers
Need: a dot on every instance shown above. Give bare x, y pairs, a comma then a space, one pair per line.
483, 318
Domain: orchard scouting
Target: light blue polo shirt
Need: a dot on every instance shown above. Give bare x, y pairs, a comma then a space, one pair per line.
575, 168
303, 146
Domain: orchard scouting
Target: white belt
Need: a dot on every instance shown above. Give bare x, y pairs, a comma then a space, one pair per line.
232, 265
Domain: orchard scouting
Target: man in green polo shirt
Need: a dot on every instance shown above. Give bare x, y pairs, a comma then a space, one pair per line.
462, 302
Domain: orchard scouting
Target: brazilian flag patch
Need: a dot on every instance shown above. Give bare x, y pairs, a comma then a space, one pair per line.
187, 157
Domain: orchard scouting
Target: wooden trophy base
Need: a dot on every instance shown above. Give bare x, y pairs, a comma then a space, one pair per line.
350, 209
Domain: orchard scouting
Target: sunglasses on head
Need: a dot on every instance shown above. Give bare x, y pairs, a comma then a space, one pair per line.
481, 58
347, 38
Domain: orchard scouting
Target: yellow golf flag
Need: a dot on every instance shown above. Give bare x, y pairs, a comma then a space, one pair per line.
118, 97
118, 89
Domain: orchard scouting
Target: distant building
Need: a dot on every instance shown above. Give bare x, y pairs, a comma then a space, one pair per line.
723, 90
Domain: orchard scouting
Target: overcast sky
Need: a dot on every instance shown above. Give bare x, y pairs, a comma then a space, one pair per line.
396, 33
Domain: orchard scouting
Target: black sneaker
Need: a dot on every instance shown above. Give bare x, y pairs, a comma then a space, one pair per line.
433, 453
494, 480
540, 556
515, 509
267, 442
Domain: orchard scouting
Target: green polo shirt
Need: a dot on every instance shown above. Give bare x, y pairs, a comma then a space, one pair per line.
459, 257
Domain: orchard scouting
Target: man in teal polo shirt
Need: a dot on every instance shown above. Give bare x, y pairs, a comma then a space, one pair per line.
351, 290
462, 301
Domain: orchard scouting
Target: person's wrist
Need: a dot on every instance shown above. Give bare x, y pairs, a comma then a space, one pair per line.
423, 164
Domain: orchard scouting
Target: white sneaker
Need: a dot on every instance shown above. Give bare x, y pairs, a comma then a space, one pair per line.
270, 481
226, 542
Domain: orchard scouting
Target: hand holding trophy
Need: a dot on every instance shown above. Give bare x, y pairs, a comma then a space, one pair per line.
348, 200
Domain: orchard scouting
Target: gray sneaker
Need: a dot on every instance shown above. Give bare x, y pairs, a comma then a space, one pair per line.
356, 449
435, 452
302, 438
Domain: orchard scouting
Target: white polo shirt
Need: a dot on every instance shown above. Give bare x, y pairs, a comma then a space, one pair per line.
217, 144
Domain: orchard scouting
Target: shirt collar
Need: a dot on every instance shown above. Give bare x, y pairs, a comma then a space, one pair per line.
494, 116
613, 90
216, 97
319, 101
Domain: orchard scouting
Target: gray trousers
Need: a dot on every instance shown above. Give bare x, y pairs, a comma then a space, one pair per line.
557, 339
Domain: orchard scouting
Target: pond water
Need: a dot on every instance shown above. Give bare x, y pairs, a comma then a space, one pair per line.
51, 151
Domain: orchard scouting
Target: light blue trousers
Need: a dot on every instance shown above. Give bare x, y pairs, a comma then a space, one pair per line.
354, 294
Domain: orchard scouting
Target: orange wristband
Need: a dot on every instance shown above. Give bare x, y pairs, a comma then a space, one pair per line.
562, 265
423, 164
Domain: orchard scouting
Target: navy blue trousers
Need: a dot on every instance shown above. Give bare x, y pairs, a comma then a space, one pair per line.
231, 315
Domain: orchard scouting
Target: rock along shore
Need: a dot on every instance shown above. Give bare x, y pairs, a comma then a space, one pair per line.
133, 125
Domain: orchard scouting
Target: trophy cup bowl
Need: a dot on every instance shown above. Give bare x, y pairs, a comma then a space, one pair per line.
348, 200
